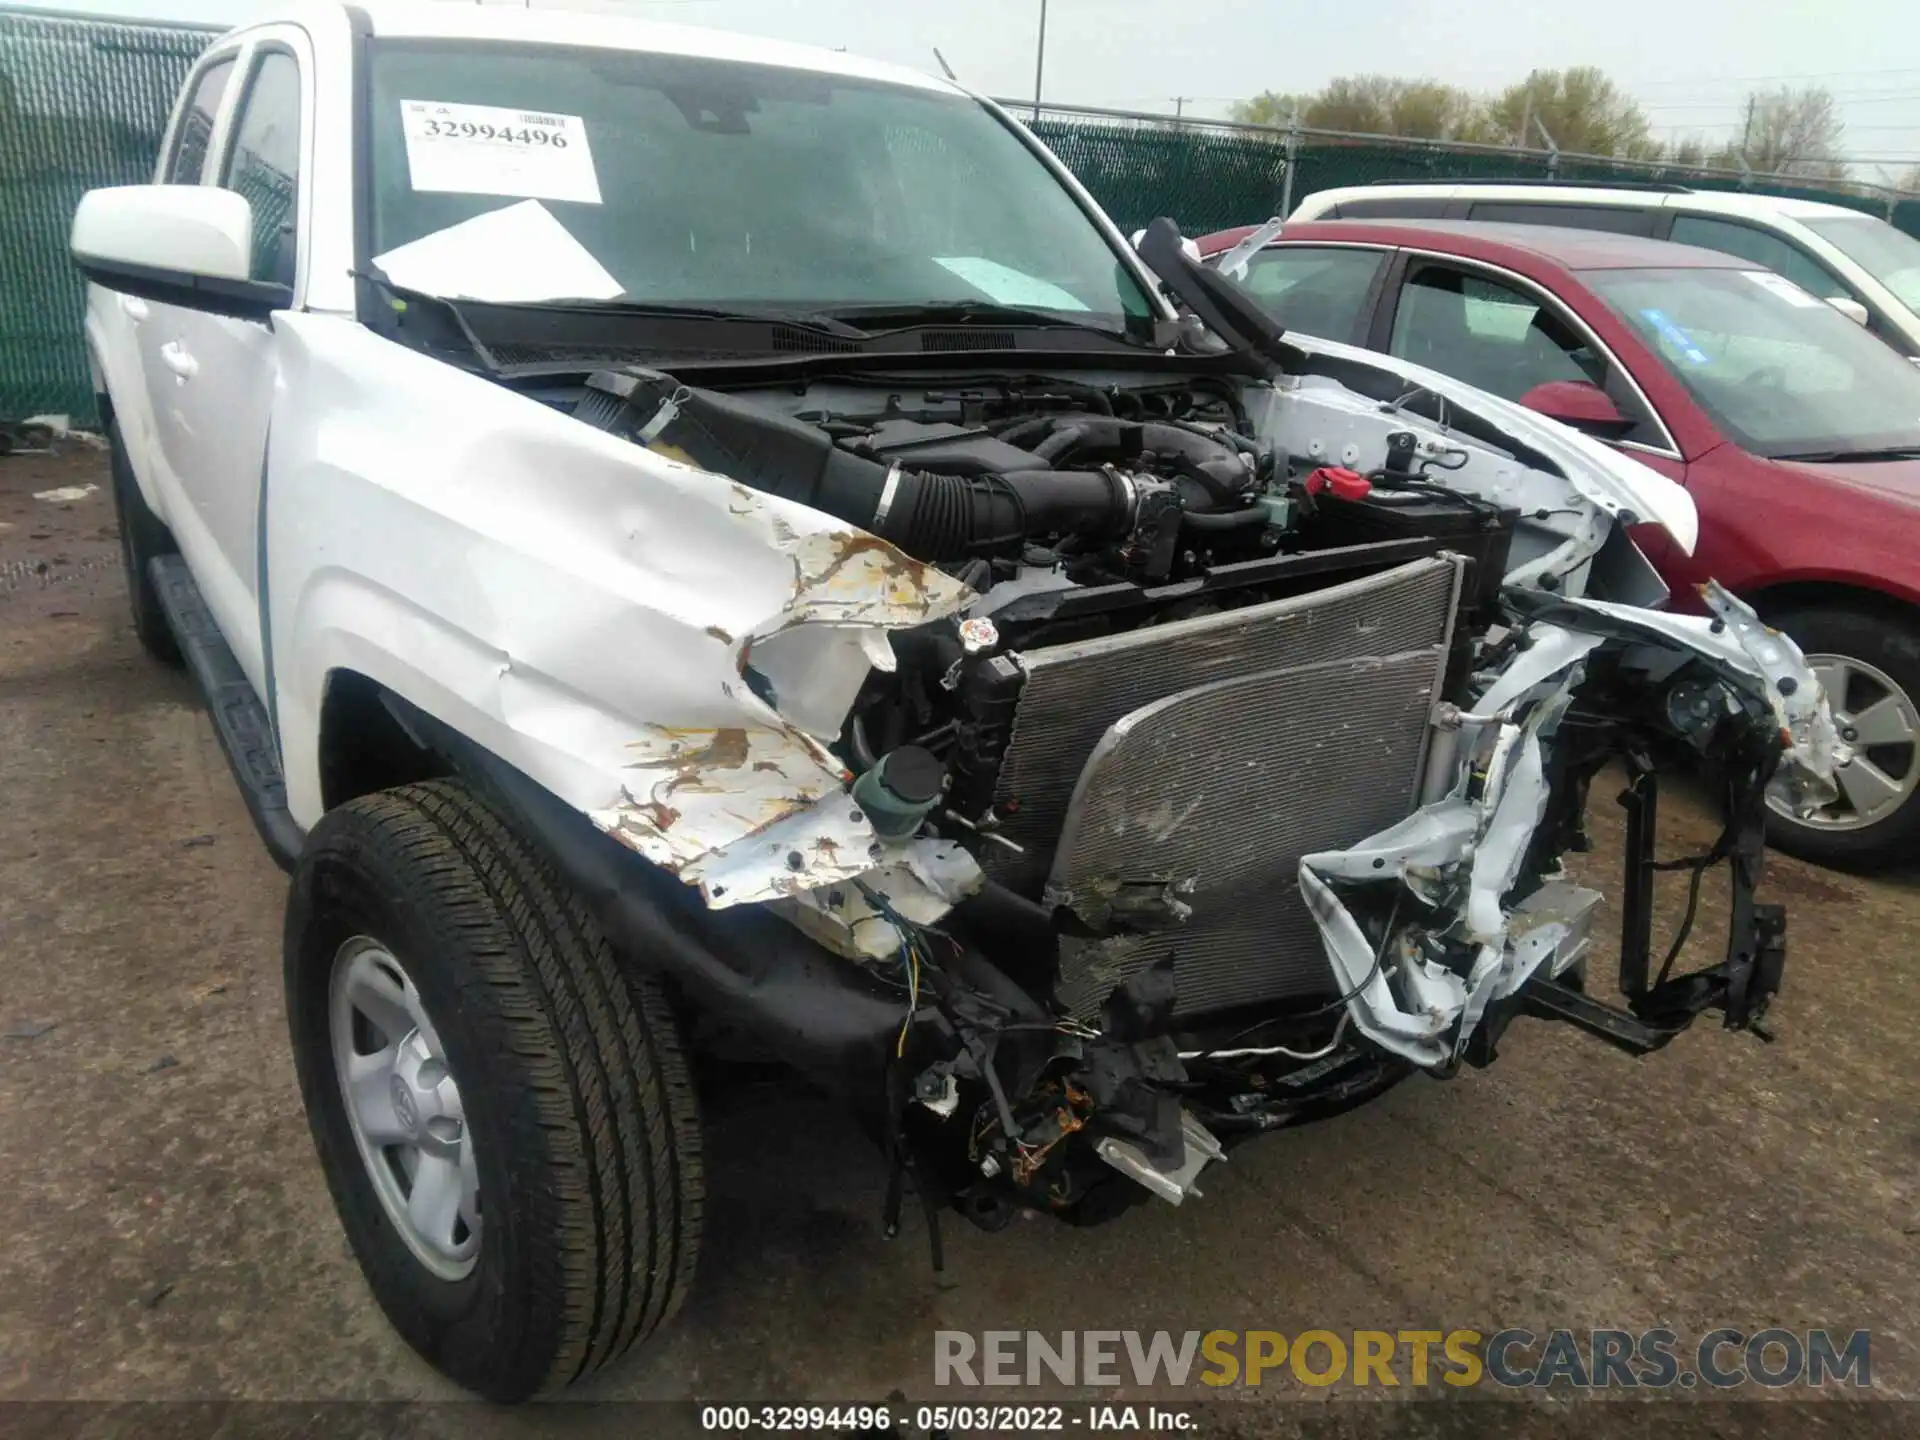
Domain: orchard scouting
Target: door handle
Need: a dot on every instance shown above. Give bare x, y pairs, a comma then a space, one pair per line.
174, 355
135, 308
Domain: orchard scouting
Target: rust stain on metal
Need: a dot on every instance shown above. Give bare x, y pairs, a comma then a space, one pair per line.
717, 633
726, 749
658, 813
828, 849
905, 577
768, 766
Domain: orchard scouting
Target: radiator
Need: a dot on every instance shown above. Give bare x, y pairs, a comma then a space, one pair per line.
1218, 751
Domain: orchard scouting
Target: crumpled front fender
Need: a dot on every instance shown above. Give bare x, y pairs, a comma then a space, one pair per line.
664, 649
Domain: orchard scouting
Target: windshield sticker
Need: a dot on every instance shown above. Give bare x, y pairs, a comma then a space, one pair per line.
1004, 285
1783, 287
515, 254
1675, 337
485, 150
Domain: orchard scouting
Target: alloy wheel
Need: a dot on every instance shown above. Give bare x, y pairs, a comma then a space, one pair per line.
403, 1106
1881, 722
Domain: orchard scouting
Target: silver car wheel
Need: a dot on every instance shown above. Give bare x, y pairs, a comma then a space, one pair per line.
404, 1108
1881, 722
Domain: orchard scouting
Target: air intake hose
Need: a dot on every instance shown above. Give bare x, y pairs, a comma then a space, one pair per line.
932, 517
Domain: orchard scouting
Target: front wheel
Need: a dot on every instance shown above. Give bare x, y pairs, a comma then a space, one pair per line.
1869, 666
504, 1117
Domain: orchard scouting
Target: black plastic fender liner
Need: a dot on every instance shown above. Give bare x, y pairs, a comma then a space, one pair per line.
816, 1011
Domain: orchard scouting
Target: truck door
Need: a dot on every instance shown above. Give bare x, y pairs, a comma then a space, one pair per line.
211, 378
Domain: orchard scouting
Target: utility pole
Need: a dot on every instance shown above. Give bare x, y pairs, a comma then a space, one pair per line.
1040, 61
1293, 161
1746, 135
1179, 106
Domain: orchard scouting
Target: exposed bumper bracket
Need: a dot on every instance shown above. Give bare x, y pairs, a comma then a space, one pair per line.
1173, 1185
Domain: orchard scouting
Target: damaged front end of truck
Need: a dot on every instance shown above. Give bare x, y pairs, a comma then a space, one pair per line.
1141, 762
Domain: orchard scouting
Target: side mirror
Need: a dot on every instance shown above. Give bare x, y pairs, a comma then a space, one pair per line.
1850, 308
186, 245
1580, 404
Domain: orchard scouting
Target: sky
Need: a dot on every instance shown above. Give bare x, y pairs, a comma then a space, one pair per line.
1690, 63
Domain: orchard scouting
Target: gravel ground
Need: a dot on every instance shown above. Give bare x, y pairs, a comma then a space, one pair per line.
168, 1237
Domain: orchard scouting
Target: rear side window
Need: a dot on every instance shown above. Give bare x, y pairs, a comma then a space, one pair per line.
1315, 291
1760, 247
189, 156
1615, 219
263, 163
1390, 208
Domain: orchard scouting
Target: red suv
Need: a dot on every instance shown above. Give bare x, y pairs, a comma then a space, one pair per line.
1797, 434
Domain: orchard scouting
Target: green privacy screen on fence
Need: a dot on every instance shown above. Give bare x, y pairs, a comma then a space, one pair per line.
83, 102
1209, 177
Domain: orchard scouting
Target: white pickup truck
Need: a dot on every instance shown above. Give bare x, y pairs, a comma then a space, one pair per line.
689, 539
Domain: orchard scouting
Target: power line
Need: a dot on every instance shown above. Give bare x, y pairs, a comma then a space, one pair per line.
1704, 81
1738, 124
1909, 97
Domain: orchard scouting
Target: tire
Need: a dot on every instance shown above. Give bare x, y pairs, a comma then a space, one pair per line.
143, 536
1877, 654
580, 1128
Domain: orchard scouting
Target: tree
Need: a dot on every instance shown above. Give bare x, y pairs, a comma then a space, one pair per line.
1581, 109
1794, 132
1694, 152
1375, 105
1909, 183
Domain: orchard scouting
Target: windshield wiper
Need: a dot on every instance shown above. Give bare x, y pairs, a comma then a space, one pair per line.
964, 312
1853, 457
665, 310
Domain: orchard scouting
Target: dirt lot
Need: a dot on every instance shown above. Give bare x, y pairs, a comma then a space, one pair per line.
167, 1234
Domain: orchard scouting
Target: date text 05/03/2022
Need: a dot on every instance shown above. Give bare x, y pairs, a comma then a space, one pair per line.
948, 1419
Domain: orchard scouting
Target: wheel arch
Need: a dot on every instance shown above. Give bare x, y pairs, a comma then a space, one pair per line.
361, 746
1783, 596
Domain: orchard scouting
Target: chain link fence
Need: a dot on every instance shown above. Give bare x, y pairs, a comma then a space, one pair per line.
1210, 174
83, 102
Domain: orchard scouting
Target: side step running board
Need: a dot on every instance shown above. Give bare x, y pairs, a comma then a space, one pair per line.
239, 719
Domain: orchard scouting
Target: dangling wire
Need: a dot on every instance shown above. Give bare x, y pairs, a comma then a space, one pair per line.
910, 958
913, 996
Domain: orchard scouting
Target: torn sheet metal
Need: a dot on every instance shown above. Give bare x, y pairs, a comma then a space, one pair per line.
1464, 857
1735, 636
1565, 519
918, 882
1618, 484
612, 621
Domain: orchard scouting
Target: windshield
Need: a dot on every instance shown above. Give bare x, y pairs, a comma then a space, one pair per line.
1891, 256
1779, 371
668, 180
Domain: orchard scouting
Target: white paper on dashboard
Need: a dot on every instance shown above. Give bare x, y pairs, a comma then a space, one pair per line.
488, 150
516, 253
1783, 287
1006, 286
